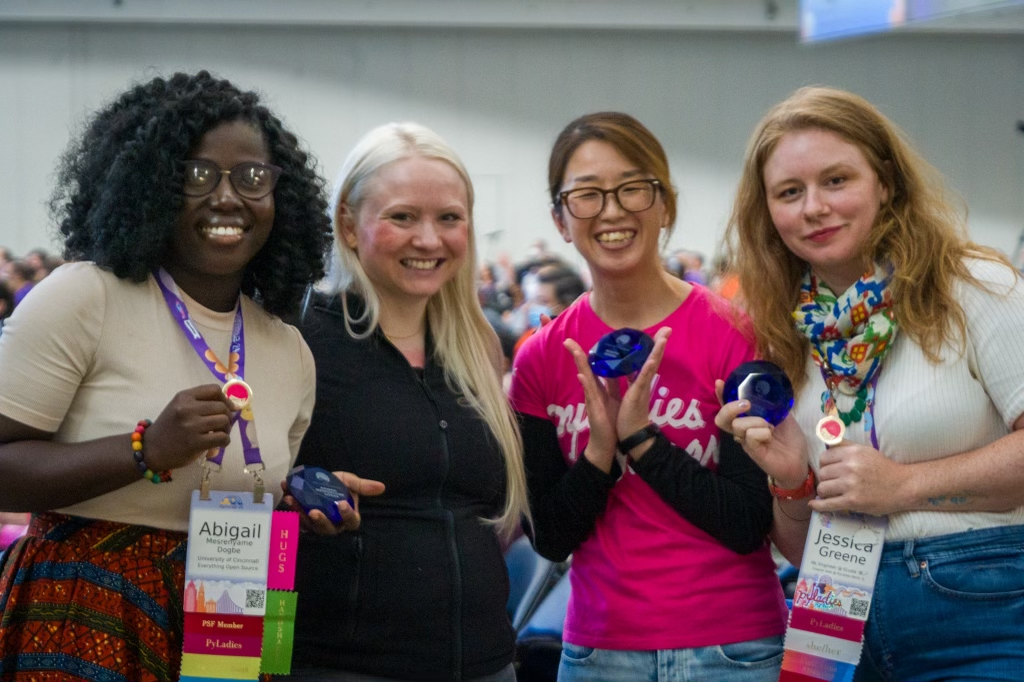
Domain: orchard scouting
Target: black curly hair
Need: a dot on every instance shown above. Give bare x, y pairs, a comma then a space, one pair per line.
119, 187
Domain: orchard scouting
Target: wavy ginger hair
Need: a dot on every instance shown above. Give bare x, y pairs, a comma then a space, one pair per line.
465, 343
919, 231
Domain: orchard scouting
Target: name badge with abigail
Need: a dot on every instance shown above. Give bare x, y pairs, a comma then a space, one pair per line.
226, 586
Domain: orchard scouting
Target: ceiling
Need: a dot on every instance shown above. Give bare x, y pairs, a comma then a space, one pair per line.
688, 15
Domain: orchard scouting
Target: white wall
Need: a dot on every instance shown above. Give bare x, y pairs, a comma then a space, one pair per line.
500, 96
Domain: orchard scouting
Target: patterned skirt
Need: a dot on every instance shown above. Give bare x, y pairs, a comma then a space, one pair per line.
97, 601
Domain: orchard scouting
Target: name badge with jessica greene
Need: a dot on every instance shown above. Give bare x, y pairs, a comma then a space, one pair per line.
833, 597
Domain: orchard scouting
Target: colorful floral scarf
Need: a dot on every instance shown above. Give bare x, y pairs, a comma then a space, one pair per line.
851, 333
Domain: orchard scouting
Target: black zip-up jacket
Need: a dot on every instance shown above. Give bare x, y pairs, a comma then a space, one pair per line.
419, 591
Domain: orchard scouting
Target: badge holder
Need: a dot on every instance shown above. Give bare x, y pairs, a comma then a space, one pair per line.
830, 430
258, 489
834, 589
208, 468
238, 393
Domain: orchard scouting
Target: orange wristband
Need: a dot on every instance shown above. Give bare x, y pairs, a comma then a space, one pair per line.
805, 490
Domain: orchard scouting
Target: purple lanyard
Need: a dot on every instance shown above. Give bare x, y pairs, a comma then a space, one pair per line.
233, 370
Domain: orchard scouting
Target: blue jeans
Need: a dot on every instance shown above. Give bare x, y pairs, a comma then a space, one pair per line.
758, 660
948, 608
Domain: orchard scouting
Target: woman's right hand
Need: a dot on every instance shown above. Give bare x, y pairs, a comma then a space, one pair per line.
194, 421
603, 398
318, 522
780, 450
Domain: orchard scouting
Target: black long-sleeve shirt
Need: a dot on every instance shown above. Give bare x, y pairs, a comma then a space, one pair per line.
673, 552
732, 504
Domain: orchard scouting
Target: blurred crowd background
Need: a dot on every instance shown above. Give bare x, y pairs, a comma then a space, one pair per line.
517, 296
19, 274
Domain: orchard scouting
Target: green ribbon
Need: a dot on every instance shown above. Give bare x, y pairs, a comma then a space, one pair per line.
278, 632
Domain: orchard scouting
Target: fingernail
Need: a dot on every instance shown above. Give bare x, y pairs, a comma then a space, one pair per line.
743, 404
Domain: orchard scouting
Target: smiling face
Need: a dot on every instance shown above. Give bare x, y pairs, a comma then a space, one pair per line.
615, 240
410, 230
218, 234
824, 198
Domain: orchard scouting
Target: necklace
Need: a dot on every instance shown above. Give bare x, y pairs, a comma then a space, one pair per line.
392, 339
856, 413
863, 404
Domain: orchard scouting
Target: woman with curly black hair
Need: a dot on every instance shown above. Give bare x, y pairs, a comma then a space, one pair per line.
169, 250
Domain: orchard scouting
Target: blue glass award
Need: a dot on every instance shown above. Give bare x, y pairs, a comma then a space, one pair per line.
317, 488
620, 353
765, 386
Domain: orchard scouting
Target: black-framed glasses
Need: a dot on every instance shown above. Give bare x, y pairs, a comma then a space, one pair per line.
588, 202
251, 180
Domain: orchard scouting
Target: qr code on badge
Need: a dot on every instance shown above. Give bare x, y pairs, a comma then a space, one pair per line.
859, 607
255, 599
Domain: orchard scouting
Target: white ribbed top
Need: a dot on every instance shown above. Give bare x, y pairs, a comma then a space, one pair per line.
926, 411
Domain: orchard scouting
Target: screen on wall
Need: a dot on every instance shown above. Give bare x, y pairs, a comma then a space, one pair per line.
830, 19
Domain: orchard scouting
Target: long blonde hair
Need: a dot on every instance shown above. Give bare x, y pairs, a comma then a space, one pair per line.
919, 230
464, 340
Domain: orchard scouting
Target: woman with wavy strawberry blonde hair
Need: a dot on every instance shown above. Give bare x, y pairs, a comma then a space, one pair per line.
862, 284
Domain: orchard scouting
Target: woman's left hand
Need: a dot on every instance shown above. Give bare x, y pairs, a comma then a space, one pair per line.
859, 478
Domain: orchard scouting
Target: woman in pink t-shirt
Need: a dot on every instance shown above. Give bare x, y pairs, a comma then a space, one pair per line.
671, 565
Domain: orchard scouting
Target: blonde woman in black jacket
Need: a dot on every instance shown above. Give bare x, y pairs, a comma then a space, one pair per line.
409, 395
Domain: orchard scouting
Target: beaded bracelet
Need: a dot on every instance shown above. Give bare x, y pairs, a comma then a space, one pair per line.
140, 461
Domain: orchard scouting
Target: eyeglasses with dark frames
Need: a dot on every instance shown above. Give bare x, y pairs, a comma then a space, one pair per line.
251, 180
588, 202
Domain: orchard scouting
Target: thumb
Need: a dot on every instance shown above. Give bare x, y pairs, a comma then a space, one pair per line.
360, 486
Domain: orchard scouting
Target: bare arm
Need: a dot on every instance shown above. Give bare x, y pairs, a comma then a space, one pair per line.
989, 478
37, 474
790, 521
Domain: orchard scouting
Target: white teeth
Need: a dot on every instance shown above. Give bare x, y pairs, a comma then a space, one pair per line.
222, 231
418, 264
617, 236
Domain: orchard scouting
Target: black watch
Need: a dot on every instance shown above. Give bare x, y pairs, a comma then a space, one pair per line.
632, 440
